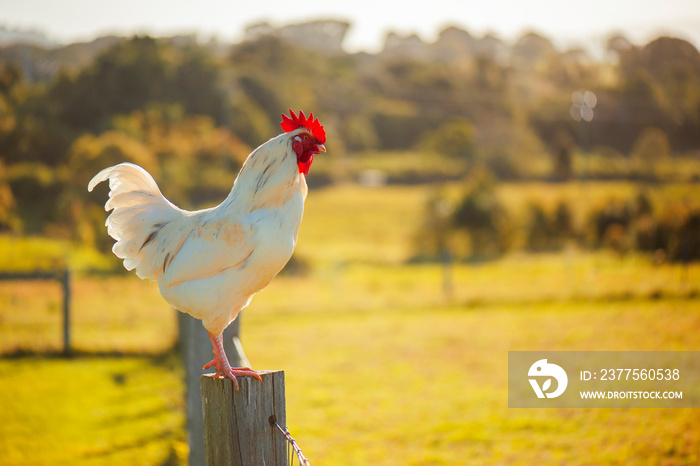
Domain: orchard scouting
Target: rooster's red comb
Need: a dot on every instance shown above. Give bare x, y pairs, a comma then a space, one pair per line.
290, 124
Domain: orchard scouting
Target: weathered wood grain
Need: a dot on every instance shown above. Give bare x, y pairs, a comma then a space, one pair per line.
237, 430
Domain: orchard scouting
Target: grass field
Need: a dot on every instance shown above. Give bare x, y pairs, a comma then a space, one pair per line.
428, 386
382, 366
91, 411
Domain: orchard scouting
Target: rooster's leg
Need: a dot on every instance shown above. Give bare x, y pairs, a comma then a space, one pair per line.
220, 362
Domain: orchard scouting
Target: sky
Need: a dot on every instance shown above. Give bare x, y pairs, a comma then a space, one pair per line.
569, 23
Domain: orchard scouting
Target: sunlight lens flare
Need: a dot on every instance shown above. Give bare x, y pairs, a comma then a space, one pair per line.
583, 104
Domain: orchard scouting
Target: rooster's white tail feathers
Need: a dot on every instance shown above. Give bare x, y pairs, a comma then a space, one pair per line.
140, 213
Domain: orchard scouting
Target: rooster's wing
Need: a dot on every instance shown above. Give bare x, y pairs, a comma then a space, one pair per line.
211, 247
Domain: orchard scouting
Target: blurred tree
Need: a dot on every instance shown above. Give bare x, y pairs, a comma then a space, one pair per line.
532, 50
275, 74
29, 129
675, 65
481, 214
359, 133
659, 86
609, 223
433, 237
562, 147
8, 216
546, 232
248, 121
271, 54
539, 231
651, 145
679, 229
650, 149
618, 44
398, 131
196, 83
265, 95
563, 224
643, 205
477, 228
645, 226
10, 83
133, 73
512, 150
690, 238
89, 154
490, 76
35, 187
197, 113
455, 138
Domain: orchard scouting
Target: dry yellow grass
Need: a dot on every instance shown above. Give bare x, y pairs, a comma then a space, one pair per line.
429, 385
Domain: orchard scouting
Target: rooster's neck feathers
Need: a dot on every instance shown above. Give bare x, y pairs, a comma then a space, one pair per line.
269, 176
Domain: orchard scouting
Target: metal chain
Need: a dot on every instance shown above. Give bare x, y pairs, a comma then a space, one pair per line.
290, 441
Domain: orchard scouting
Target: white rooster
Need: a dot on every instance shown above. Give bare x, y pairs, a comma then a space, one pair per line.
211, 262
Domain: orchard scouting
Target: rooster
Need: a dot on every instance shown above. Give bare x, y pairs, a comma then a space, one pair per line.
209, 263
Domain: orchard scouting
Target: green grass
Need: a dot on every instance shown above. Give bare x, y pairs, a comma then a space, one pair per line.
428, 385
360, 224
414, 166
382, 367
97, 411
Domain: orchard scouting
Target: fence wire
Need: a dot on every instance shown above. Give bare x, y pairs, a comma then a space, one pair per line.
296, 450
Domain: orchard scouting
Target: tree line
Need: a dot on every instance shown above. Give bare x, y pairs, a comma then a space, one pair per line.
190, 112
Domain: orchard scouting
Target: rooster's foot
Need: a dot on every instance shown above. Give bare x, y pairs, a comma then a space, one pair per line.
223, 369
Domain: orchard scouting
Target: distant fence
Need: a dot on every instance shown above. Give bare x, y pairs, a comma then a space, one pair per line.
64, 278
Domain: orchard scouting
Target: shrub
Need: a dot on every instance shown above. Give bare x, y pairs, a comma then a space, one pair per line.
545, 232
482, 216
456, 138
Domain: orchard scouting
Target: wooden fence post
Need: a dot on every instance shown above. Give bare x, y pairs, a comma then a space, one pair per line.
65, 283
237, 428
64, 278
196, 352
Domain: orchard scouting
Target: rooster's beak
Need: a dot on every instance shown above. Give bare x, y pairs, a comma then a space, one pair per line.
321, 148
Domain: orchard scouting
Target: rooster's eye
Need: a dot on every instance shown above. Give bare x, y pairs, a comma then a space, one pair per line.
306, 138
